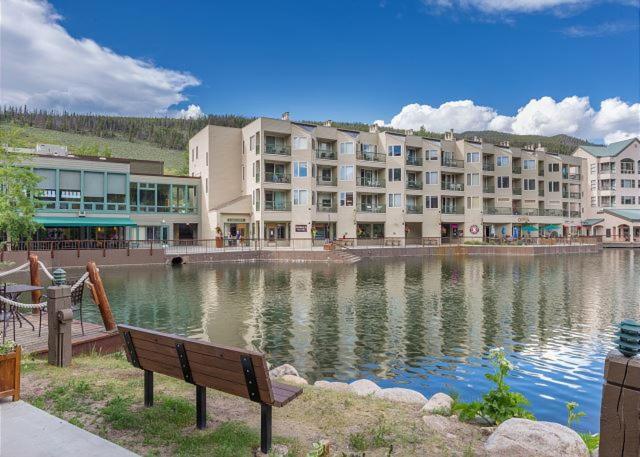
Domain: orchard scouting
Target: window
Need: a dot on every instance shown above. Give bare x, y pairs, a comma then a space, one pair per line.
473, 179
473, 202
252, 143
502, 161
503, 182
395, 200
369, 148
554, 167
346, 173
257, 171
431, 177
431, 202
300, 197
346, 198
593, 184
300, 142
627, 200
473, 157
243, 172
593, 168
529, 184
432, 154
93, 187
593, 201
395, 150
628, 183
206, 185
528, 164
196, 152
300, 169
346, 148
554, 186
395, 174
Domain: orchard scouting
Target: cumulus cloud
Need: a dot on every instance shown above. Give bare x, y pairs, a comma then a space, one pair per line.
574, 116
45, 67
192, 112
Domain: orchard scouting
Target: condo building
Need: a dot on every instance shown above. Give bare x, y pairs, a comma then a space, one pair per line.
98, 198
276, 179
612, 190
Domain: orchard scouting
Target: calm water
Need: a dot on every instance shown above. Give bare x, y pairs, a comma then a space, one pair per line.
423, 323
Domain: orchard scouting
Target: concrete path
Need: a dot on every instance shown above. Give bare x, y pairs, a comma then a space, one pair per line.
27, 431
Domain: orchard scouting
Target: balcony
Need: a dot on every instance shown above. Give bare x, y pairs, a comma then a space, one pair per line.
489, 189
414, 209
516, 170
516, 190
414, 185
370, 182
498, 211
452, 163
529, 211
371, 208
574, 214
277, 150
575, 176
552, 212
326, 154
452, 209
371, 156
414, 160
278, 178
322, 208
277, 206
574, 195
456, 187
332, 181
488, 167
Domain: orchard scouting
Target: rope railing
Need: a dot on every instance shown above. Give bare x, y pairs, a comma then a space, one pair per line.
44, 268
18, 304
14, 270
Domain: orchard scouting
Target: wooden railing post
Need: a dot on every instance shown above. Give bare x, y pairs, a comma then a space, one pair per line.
34, 271
101, 296
620, 409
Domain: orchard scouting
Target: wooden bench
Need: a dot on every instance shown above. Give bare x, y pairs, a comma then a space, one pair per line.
231, 370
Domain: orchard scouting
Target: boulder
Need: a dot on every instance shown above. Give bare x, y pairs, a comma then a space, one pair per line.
439, 424
282, 370
438, 403
402, 395
364, 387
292, 379
337, 386
526, 438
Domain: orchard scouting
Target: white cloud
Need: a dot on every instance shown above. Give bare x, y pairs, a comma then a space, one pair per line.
192, 112
45, 67
574, 116
518, 6
604, 29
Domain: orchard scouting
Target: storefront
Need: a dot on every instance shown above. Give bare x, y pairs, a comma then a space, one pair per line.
82, 228
323, 231
236, 227
368, 230
276, 231
452, 230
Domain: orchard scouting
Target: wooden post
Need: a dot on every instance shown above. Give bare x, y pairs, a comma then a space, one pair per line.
101, 295
620, 409
59, 339
34, 270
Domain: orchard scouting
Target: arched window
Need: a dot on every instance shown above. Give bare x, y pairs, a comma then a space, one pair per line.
627, 166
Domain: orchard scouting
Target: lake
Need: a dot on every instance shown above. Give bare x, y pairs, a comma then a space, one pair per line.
421, 323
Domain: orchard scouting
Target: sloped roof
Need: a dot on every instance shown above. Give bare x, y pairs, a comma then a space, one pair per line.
632, 215
610, 150
590, 222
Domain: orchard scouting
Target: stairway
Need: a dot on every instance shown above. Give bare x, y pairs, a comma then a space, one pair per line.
344, 256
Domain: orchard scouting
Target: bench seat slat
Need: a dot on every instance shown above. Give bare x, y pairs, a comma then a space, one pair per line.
282, 394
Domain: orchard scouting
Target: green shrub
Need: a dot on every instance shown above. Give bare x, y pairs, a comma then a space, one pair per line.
592, 441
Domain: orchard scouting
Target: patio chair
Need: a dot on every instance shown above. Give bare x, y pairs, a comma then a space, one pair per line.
76, 302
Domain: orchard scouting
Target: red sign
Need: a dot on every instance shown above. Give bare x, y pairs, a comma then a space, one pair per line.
474, 229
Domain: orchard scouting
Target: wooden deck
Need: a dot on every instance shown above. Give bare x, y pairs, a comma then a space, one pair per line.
95, 337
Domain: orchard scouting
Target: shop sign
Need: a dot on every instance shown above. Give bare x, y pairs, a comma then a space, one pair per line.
301, 228
236, 219
523, 219
474, 229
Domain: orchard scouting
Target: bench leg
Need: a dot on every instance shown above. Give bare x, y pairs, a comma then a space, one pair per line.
148, 388
201, 407
265, 428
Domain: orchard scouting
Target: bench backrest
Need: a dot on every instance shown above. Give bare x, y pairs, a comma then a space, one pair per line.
231, 370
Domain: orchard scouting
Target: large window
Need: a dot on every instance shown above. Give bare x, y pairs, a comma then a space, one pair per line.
347, 148
502, 161
395, 174
94, 190
47, 186
503, 182
369, 148
529, 184
431, 177
300, 142
300, 169
300, 197
473, 157
625, 200
395, 200
431, 154
554, 167
431, 202
116, 191
528, 164
395, 150
554, 186
346, 198
346, 173
473, 179
628, 183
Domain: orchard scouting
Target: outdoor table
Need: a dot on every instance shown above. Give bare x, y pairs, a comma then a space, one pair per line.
13, 292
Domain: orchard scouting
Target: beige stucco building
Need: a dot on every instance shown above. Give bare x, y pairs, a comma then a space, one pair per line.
276, 179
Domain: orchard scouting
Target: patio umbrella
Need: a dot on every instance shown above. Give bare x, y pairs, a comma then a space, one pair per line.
529, 228
551, 227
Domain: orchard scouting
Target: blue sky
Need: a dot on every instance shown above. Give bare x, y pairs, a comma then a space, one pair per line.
366, 60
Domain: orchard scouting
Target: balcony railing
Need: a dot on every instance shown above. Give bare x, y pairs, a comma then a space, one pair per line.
553, 212
278, 178
516, 169
277, 150
370, 182
414, 209
488, 167
458, 187
322, 208
370, 208
452, 209
498, 211
371, 156
417, 185
327, 182
575, 176
453, 163
574, 214
277, 206
413, 160
326, 154
529, 211
517, 190
489, 189
574, 195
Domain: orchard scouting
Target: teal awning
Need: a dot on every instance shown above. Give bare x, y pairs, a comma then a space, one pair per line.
590, 222
551, 227
85, 221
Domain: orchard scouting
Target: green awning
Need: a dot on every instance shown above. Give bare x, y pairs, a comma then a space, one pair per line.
85, 221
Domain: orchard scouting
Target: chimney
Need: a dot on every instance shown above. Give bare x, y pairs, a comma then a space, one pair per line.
504, 144
409, 131
374, 128
541, 148
285, 116
476, 139
449, 135
328, 123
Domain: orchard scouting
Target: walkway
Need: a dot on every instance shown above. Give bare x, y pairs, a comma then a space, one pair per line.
27, 431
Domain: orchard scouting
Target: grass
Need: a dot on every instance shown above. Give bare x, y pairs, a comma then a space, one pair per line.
175, 161
103, 394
